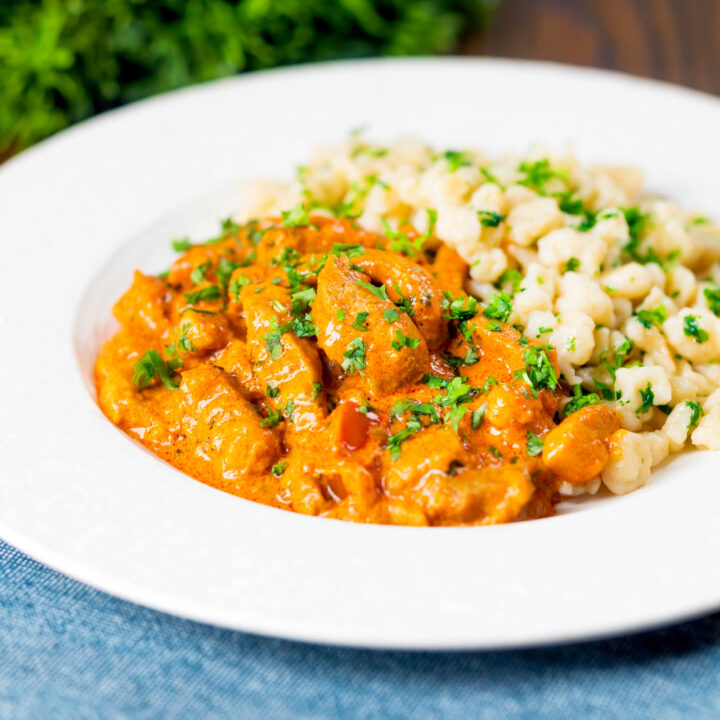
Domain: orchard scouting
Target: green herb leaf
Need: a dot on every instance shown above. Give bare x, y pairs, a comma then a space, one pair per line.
211, 292
656, 317
354, 357
580, 400
273, 418
297, 217
489, 218
712, 295
477, 416
534, 444
539, 173
402, 341
572, 264
455, 159
152, 365
693, 330
181, 245
538, 372
696, 412
185, 345
359, 323
648, 400
380, 292
390, 315
499, 307
237, 284
273, 342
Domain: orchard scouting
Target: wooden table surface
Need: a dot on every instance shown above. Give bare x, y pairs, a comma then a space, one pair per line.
673, 40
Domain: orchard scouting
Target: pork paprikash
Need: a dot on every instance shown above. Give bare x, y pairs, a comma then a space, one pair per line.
310, 365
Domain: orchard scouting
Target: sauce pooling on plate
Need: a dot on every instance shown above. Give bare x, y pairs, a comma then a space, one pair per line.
309, 365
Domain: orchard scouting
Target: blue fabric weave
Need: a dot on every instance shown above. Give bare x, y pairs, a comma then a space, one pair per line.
70, 652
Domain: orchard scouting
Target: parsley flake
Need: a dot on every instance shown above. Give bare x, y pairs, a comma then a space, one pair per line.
693, 330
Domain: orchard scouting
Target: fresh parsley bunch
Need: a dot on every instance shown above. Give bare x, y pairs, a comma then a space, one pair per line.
63, 60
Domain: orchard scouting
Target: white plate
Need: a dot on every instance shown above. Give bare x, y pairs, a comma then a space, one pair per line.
81, 497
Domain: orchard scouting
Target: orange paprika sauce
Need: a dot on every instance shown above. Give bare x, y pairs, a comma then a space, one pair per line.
335, 372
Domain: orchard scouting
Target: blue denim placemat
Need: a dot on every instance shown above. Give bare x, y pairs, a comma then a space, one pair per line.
68, 651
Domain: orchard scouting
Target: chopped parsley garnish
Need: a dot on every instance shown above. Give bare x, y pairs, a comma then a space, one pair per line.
278, 469
370, 151
477, 416
539, 173
572, 205
580, 400
401, 242
302, 300
226, 268
390, 315
471, 356
402, 341
572, 264
494, 451
494, 326
455, 159
648, 400
211, 292
198, 274
612, 361
534, 444
489, 382
181, 245
656, 317
354, 357
693, 330
405, 304
397, 439
413, 406
289, 409
538, 371
340, 314
360, 321
317, 388
349, 250
272, 392
457, 393
151, 365
462, 308
301, 326
297, 217
185, 345
273, 418
455, 414
488, 218
509, 281
712, 295
696, 412
380, 292
637, 223
237, 284
500, 307
273, 341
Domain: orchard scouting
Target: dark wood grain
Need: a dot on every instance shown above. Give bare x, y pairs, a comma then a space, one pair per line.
673, 40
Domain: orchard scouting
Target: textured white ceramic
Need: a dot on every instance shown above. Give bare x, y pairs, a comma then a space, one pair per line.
80, 211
